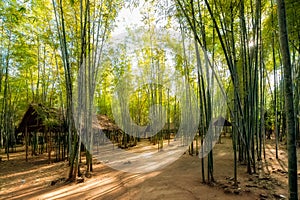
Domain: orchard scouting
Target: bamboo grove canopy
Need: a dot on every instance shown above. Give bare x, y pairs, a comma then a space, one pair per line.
40, 118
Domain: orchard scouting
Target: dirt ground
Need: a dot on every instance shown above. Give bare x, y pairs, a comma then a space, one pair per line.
37, 179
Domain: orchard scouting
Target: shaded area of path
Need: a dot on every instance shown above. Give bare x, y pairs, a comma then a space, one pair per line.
180, 180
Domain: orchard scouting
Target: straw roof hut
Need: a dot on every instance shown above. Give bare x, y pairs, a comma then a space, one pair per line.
107, 124
40, 118
172, 127
221, 121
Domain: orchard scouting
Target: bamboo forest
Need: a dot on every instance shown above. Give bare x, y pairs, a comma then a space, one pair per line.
149, 99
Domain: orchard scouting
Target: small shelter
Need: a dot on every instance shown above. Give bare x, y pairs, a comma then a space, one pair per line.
221, 122
169, 130
108, 127
40, 118
166, 130
41, 127
106, 124
170, 127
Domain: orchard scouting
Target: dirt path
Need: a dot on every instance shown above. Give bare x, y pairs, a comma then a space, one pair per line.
37, 179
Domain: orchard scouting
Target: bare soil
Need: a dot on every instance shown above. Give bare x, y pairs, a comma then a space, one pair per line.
37, 179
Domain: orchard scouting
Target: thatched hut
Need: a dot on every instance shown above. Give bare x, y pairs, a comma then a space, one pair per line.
171, 127
40, 118
222, 123
169, 130
43, 128
105, 125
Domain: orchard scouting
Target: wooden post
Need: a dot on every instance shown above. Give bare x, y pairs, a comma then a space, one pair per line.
49, 147
26, 143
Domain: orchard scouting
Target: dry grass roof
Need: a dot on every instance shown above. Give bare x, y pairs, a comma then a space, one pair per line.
105, 123
40, 118
221, 121
172, 126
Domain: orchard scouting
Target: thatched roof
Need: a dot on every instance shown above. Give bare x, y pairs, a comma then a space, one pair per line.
107, 124
172, 126
221, 121
41, 118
